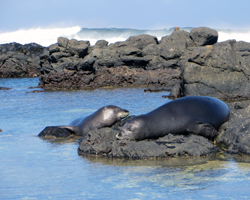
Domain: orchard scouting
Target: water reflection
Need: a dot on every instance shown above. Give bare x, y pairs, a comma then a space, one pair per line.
175, 174
147, 162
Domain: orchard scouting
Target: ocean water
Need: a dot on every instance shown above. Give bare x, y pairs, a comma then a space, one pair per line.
48, 36
34, 168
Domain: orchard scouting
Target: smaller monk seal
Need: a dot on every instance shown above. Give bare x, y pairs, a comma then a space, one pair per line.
104, 117
193, 114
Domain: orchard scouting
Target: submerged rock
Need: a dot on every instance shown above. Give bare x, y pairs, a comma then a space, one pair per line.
5, 88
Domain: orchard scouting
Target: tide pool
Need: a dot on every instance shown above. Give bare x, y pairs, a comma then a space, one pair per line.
33, 168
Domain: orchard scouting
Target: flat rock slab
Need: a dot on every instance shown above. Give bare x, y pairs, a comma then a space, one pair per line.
103, 142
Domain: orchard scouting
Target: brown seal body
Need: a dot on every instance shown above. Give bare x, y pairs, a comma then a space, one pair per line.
104, 117
193, 114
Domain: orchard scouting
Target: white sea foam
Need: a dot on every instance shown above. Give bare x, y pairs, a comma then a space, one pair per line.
48, 36
237, 35
109, 39
42, 36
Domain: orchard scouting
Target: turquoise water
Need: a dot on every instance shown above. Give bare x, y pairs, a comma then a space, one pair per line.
33, 168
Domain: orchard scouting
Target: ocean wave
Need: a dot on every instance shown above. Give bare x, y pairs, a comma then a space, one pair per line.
237, 35
48, 36
42, 36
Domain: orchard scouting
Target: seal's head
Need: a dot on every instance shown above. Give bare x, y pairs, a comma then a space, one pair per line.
114, 113
131, 130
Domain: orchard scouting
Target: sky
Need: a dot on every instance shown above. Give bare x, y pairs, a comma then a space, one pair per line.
138, 14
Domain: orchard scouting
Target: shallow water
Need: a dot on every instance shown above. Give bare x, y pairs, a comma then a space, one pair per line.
33, 168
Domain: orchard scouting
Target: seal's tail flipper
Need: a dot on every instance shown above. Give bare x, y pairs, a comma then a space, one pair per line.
205, 129
70, 128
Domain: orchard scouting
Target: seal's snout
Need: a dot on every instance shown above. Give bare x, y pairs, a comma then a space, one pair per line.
124, 113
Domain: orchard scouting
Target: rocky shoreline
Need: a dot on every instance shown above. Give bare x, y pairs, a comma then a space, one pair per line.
191, 63
183, 63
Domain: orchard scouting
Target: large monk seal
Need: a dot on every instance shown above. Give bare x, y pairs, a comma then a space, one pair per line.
193, 114
104, 117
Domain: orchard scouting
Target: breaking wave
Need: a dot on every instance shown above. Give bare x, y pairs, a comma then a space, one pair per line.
42, 36
48, 36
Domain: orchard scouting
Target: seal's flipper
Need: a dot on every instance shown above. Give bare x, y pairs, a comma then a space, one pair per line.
70, 128
205, 129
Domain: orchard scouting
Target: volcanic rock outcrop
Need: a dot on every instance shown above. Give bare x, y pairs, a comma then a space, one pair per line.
183, 63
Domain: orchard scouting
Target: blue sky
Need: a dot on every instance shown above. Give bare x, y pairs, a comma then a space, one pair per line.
139, 14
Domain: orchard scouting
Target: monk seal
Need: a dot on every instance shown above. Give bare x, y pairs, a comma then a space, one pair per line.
103, 117
193, 114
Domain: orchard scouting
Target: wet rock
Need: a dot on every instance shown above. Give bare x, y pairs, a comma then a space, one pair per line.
103, 142
53, 131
